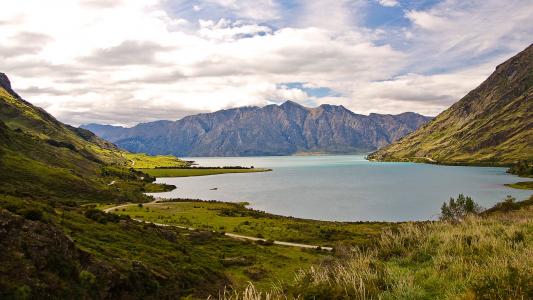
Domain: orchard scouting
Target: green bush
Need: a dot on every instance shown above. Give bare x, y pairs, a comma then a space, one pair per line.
100, 216
457, 210
87, 279
522, 168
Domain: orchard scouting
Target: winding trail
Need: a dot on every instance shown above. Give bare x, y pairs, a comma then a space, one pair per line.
228, 234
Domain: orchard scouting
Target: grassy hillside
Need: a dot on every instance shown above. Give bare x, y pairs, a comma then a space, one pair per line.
493, 124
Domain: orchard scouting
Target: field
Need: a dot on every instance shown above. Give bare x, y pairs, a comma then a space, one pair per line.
143, 161
247, 261
188, 172
236, 218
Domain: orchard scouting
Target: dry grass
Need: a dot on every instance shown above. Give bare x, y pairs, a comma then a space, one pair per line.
479, 258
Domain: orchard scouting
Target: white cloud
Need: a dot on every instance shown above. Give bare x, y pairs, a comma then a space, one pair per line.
113, 61
454, 33
250, 9
389, 3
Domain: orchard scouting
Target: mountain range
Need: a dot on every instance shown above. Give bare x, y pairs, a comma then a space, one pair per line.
285, 129
492, 124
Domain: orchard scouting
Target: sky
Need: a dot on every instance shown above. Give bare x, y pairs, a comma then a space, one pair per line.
123, 62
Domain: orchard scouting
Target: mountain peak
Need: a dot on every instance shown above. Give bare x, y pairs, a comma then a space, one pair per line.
290, 103
5, 83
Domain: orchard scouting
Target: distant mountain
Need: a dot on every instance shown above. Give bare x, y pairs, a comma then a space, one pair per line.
271, 130
492, 124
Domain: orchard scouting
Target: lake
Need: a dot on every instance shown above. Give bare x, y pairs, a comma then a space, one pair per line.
345, 187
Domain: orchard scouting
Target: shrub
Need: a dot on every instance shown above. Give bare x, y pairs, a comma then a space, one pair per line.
457, 210
100, 216
87, 278
522, 168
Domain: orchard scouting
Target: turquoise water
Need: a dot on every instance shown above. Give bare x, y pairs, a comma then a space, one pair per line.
345, 187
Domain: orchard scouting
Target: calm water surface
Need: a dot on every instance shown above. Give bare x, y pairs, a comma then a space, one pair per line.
345, 187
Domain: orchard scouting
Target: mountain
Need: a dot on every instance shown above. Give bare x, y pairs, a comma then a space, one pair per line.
492, 124
283, 129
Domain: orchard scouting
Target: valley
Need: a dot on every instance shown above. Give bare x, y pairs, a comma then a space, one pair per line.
78, 217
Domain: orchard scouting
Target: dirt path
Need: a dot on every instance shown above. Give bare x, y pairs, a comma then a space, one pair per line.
228, 234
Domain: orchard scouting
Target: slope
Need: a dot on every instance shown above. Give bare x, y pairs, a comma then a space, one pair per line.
492, 124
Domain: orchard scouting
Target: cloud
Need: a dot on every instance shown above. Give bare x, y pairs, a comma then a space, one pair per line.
100, 3
24, 43
127, 53
124, 62
249, 9
454, 34
225, 30
389, 3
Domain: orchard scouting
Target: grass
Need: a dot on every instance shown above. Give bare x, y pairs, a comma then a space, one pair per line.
236, 218
266, 265
200, 254
188, 172
524, 185
143, 161
489, 257
152, 262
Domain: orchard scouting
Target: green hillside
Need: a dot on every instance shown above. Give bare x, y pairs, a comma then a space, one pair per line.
493, 124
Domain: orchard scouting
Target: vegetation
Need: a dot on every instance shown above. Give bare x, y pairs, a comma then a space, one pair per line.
522, 168
481, 257
457, 210
523, 185
143, 161
236, 218
188, 172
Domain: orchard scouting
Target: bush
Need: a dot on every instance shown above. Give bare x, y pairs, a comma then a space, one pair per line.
522, 168
101, 217
87, 278
457, 210
33, 214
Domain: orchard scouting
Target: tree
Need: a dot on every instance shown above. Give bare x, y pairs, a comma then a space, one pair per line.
457, 210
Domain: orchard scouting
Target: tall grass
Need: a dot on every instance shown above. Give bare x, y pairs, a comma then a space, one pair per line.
479, 258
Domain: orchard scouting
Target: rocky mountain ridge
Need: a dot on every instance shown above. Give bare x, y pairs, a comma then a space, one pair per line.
283, 129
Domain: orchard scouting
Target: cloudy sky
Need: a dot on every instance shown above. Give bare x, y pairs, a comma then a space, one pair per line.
130, 61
